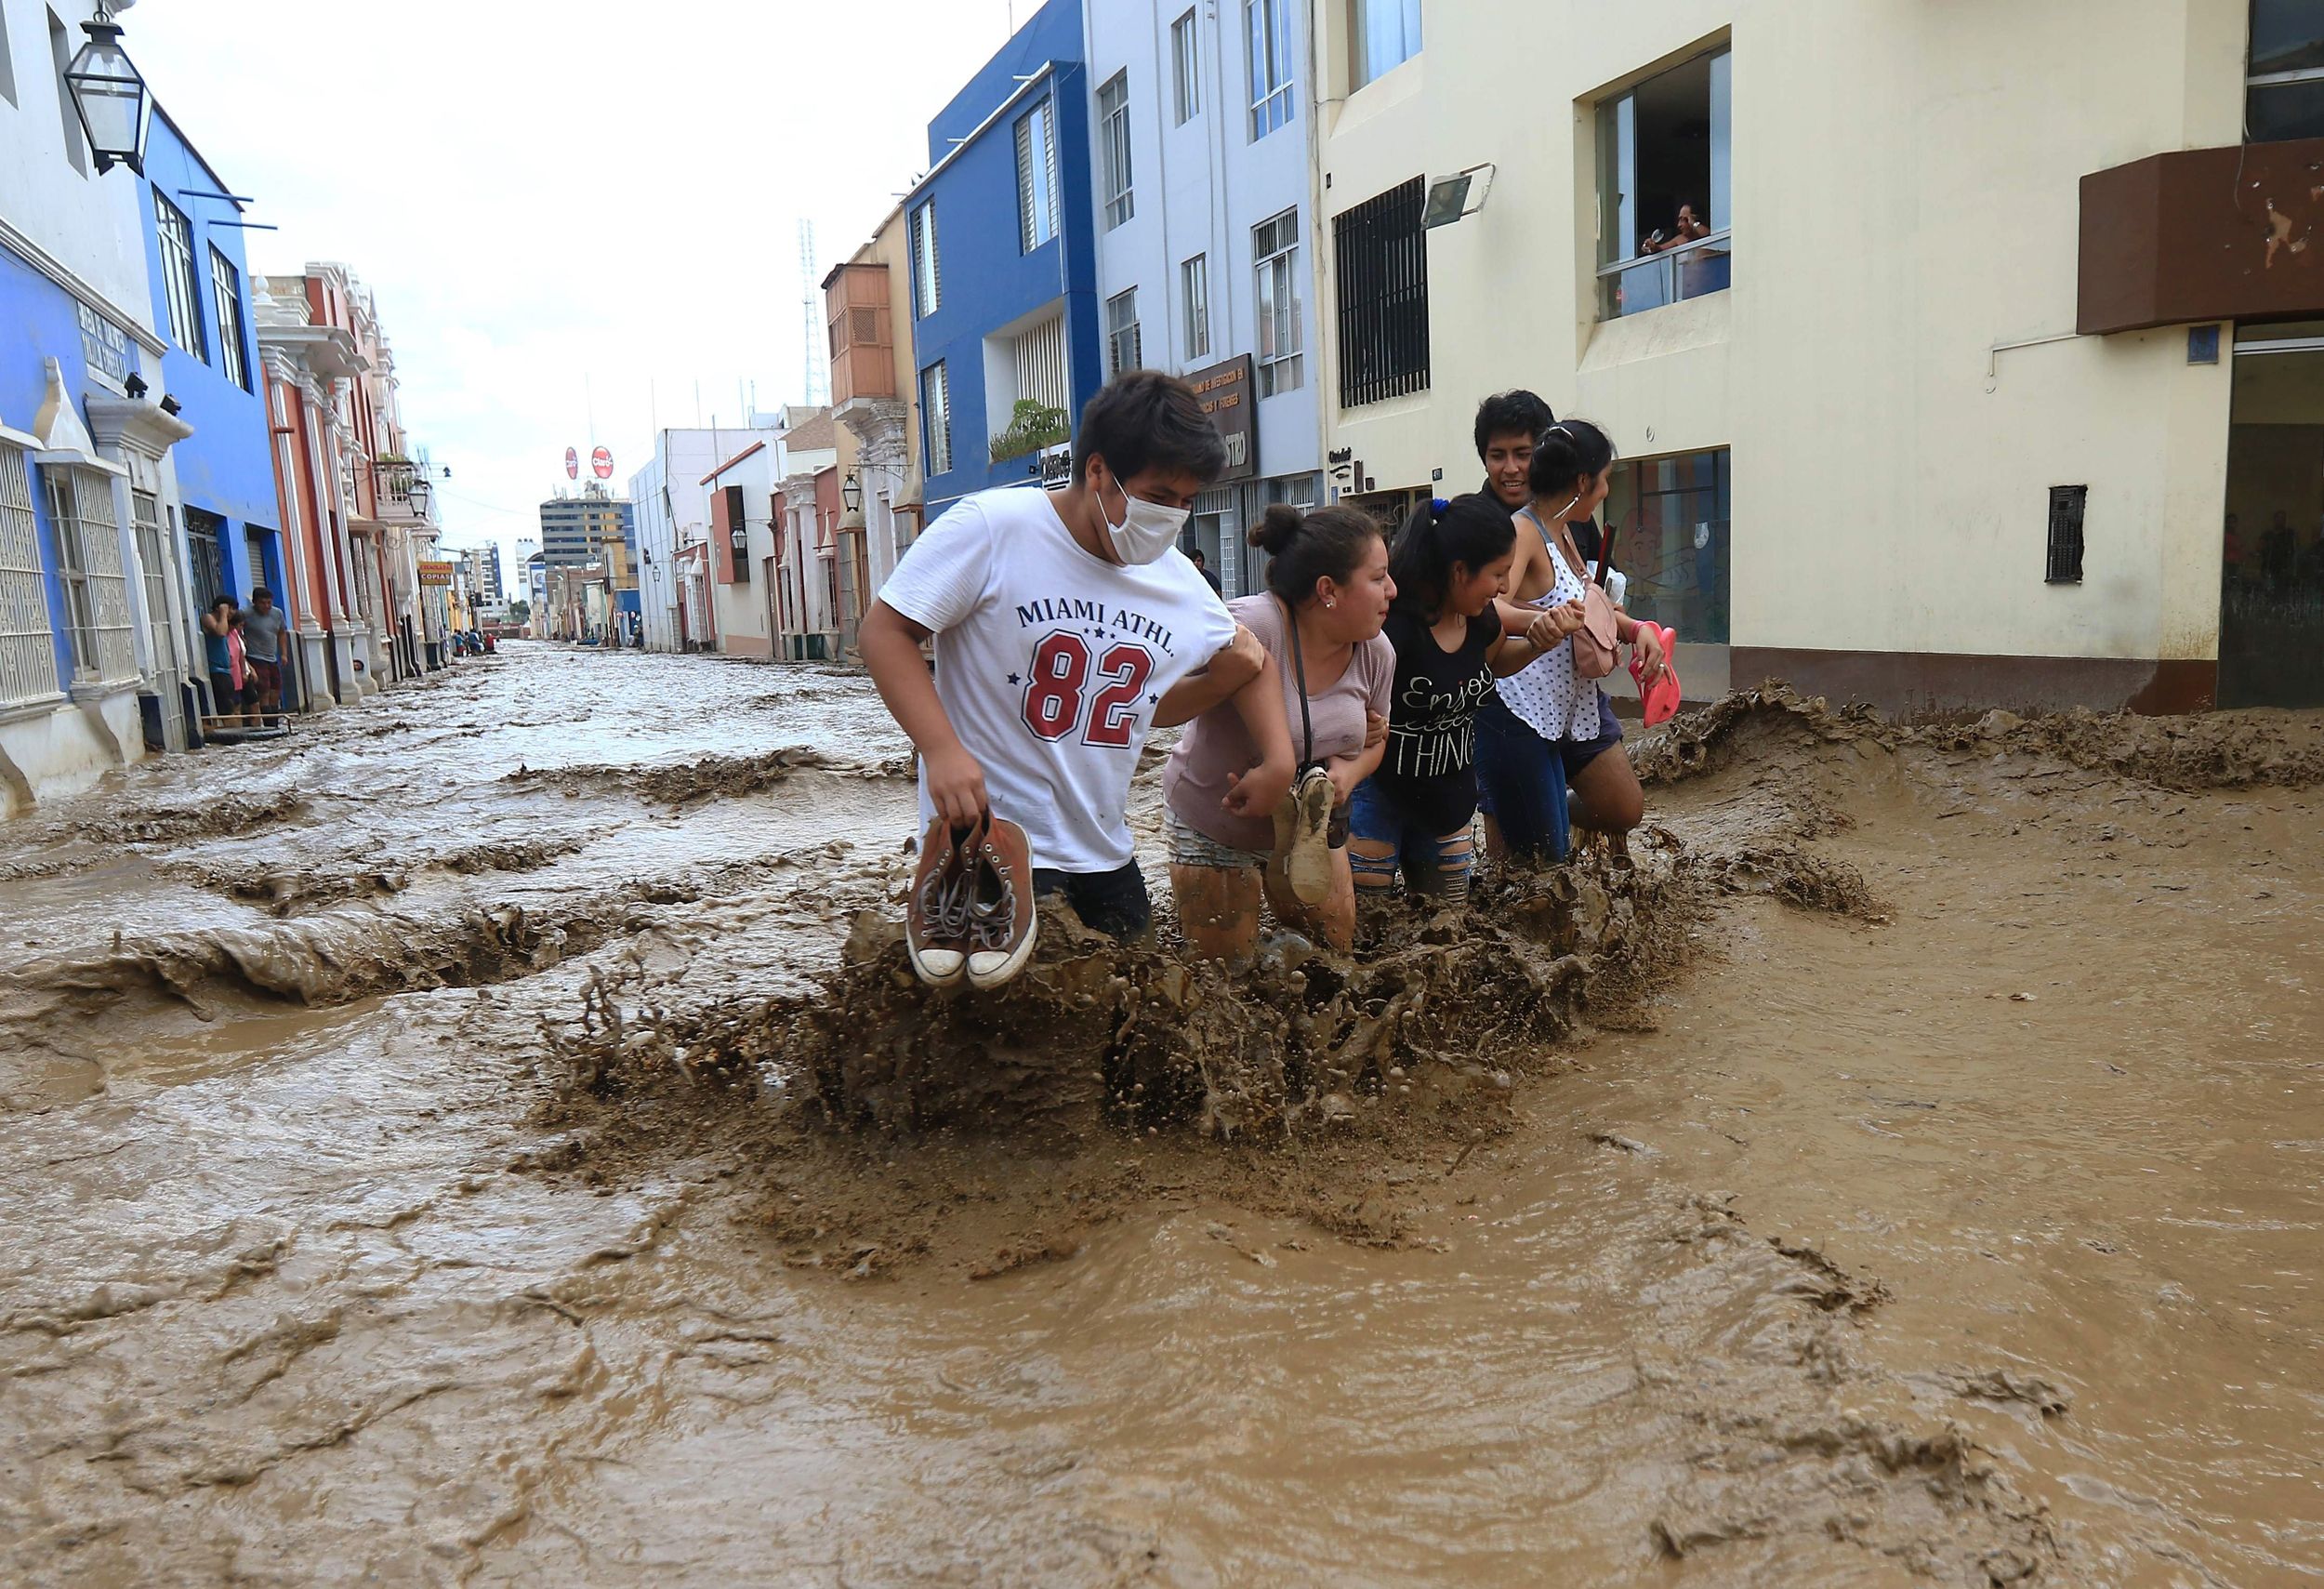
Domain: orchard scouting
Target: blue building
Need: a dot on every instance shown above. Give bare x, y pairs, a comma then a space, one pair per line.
202, 306
1002, 243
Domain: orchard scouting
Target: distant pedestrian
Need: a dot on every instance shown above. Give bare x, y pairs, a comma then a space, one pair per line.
218, 655
1202, 566
238, 671
262, 626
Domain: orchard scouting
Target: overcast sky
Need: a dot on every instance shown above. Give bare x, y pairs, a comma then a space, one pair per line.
562, 207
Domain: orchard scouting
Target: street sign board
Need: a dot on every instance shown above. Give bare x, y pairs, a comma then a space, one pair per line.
1227, 396
435, 572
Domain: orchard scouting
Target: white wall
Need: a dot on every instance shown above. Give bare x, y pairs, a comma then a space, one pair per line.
93, 225
1905, 198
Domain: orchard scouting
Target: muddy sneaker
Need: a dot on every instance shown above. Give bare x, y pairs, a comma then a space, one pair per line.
1307, 867
1000, 903
936, 912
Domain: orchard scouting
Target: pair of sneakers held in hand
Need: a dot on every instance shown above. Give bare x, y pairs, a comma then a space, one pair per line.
970, 912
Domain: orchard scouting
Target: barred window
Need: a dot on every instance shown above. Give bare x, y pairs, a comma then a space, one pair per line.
28, 654
1380, 259
926, 286
1037, 177
88, 562
936, 413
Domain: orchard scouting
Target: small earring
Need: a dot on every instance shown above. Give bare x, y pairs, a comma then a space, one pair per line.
1331, 601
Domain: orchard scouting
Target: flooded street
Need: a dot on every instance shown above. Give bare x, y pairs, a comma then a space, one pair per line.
443, 1148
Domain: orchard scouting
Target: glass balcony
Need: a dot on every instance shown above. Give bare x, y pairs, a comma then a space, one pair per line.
1694, 270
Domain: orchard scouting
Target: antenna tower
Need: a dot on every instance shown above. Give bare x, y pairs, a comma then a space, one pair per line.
815, 374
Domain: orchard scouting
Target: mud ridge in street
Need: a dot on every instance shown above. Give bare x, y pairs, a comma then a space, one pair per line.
1774, 723
707, 777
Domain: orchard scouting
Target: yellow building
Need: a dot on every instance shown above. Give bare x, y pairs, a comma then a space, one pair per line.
1925, 417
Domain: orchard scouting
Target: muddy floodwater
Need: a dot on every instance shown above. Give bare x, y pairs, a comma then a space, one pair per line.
489, 1138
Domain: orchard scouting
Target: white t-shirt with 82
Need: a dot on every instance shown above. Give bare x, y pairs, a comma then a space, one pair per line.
1050, 662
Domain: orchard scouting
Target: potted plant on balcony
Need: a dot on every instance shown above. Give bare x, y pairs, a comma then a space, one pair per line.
1032, 425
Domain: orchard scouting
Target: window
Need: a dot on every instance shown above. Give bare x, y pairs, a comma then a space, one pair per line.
926, 282
936, 413
1037, 177
2067, 506
227, 282
1664, 227
179, 284
2285, 97
1274, 247
89, 565
8, 69
1670, 522
1382, 36
1123, 347
1186, 69
1270, 33
1193, 278
145, 516
1114, 142
28, 656
61, 47
1379, 257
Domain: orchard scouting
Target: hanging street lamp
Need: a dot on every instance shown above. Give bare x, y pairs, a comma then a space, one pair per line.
109, 97
422, 496
851, 492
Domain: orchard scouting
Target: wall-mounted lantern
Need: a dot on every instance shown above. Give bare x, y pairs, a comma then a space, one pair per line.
109, 97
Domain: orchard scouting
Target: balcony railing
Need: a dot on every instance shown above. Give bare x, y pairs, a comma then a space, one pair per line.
1693, 269
402, 491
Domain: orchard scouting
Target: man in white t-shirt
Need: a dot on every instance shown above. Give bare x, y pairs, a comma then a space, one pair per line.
1067, 624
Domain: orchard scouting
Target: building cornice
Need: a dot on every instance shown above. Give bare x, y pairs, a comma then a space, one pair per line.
126, 423
65, 276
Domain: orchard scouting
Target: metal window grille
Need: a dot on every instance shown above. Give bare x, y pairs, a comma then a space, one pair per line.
28, 654
1194, 278
145, 513
1270, 59
1380, 257
1114, 132
179, 284
1037, 177
88, 560
2067, 506
227, 282
1275, 245
926, 285
1186, 69
208, 568
936, 404
1124, 347
1038, 354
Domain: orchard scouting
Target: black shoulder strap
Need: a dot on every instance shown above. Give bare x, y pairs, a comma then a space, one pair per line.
1298, 672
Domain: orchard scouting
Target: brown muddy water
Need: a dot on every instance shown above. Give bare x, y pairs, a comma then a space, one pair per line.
484, 1139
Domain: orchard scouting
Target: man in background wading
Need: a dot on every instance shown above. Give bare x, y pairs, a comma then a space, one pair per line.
262, 627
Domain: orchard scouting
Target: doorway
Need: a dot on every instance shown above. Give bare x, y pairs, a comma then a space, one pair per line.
2271, 607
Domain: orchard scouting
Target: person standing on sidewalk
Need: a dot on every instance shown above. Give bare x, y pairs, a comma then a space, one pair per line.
262, 627
218, 655
1066, 626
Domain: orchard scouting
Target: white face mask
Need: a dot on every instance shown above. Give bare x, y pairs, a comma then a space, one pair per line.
1148, 529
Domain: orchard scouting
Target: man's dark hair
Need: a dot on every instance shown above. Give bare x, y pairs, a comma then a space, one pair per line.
1143, 419
1511, 413
1197, 555
260, 593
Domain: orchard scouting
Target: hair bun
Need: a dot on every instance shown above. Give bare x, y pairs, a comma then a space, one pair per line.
1277, 528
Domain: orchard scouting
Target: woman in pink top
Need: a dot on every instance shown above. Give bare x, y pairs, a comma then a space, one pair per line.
1327, 593
238, 661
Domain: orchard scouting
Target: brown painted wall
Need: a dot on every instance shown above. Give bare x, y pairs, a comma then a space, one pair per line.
1906, 680
2233, 233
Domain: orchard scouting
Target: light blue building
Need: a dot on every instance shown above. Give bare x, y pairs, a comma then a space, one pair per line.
1002, 299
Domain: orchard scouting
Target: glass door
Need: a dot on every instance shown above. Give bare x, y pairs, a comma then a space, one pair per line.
2271, 609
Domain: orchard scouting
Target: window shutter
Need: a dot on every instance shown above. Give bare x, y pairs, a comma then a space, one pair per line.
1025, 218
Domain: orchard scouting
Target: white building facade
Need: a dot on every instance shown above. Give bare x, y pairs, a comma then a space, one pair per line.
1201, 126
671, 498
